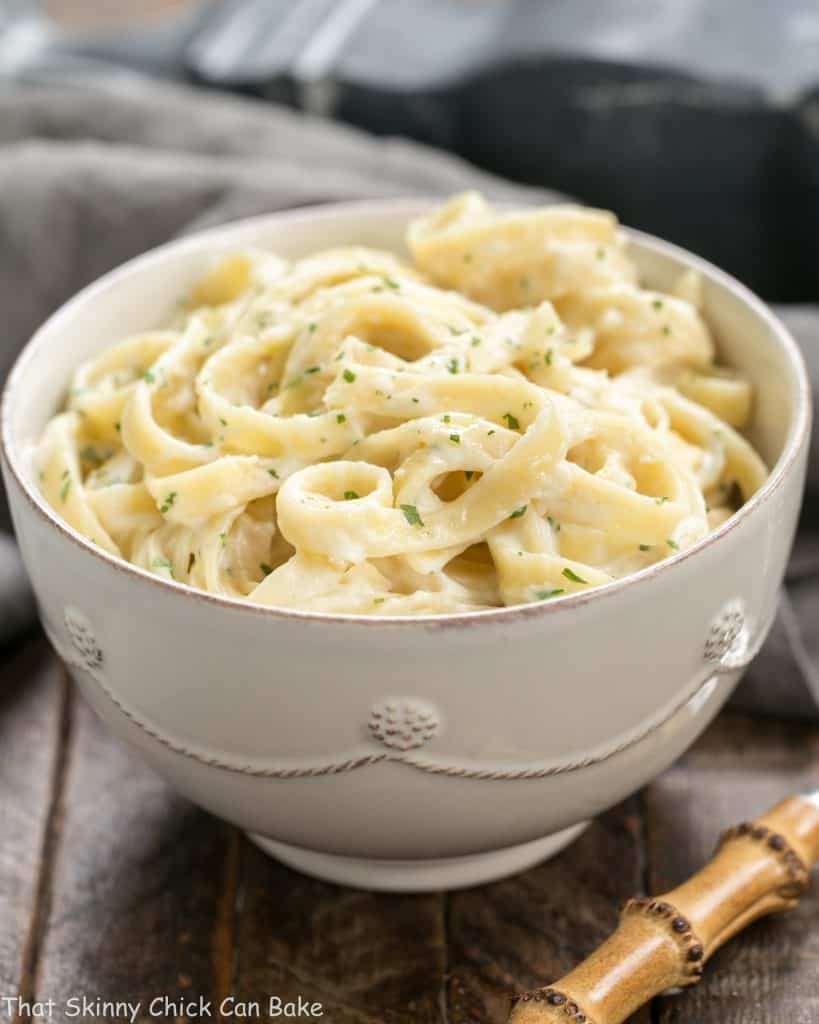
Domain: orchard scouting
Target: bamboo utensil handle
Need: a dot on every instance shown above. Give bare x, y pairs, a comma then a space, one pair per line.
663, 942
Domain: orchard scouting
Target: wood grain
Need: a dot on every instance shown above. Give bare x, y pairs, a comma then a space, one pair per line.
770, 973
526, 931
33, 728
368, 958
138, 883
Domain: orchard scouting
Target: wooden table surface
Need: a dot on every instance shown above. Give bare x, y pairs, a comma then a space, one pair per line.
112, 887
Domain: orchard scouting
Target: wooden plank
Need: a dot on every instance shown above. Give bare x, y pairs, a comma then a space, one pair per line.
143, 890
770, 973
528, 931
368, 958
33, 738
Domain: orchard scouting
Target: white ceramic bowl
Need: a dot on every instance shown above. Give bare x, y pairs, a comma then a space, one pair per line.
406, 754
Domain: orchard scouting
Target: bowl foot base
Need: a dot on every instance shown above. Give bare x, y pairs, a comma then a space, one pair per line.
419, 875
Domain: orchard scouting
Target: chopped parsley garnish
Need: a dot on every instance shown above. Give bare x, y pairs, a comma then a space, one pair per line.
191, 561
312, 369
645, 547
312, 327
666, 330
273, 473
544, 595
266, 569
601, 253
549, 357
452, 365
469, 473
223, 422
390, 282
379, 600
90, 454
351, 495
167, 505
455, 438
294, 383
163, 563
518, 512
118, 427
567, 572
223, 539
341, 418
662, 500
66, 487
349, 376
511, 421
411, 515
475, 341
148, 377
657, 303
673, 544
555, 525
446, 418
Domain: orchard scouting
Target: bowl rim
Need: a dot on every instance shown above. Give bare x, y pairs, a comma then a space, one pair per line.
795, 441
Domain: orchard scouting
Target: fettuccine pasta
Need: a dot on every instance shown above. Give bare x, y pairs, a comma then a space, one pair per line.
510, 419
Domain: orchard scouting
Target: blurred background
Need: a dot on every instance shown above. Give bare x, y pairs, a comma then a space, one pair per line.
694, 119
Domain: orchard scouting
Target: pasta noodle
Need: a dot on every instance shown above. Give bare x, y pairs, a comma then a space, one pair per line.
511, 419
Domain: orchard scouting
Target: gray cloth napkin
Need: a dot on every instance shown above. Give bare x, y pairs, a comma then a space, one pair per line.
92, 177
